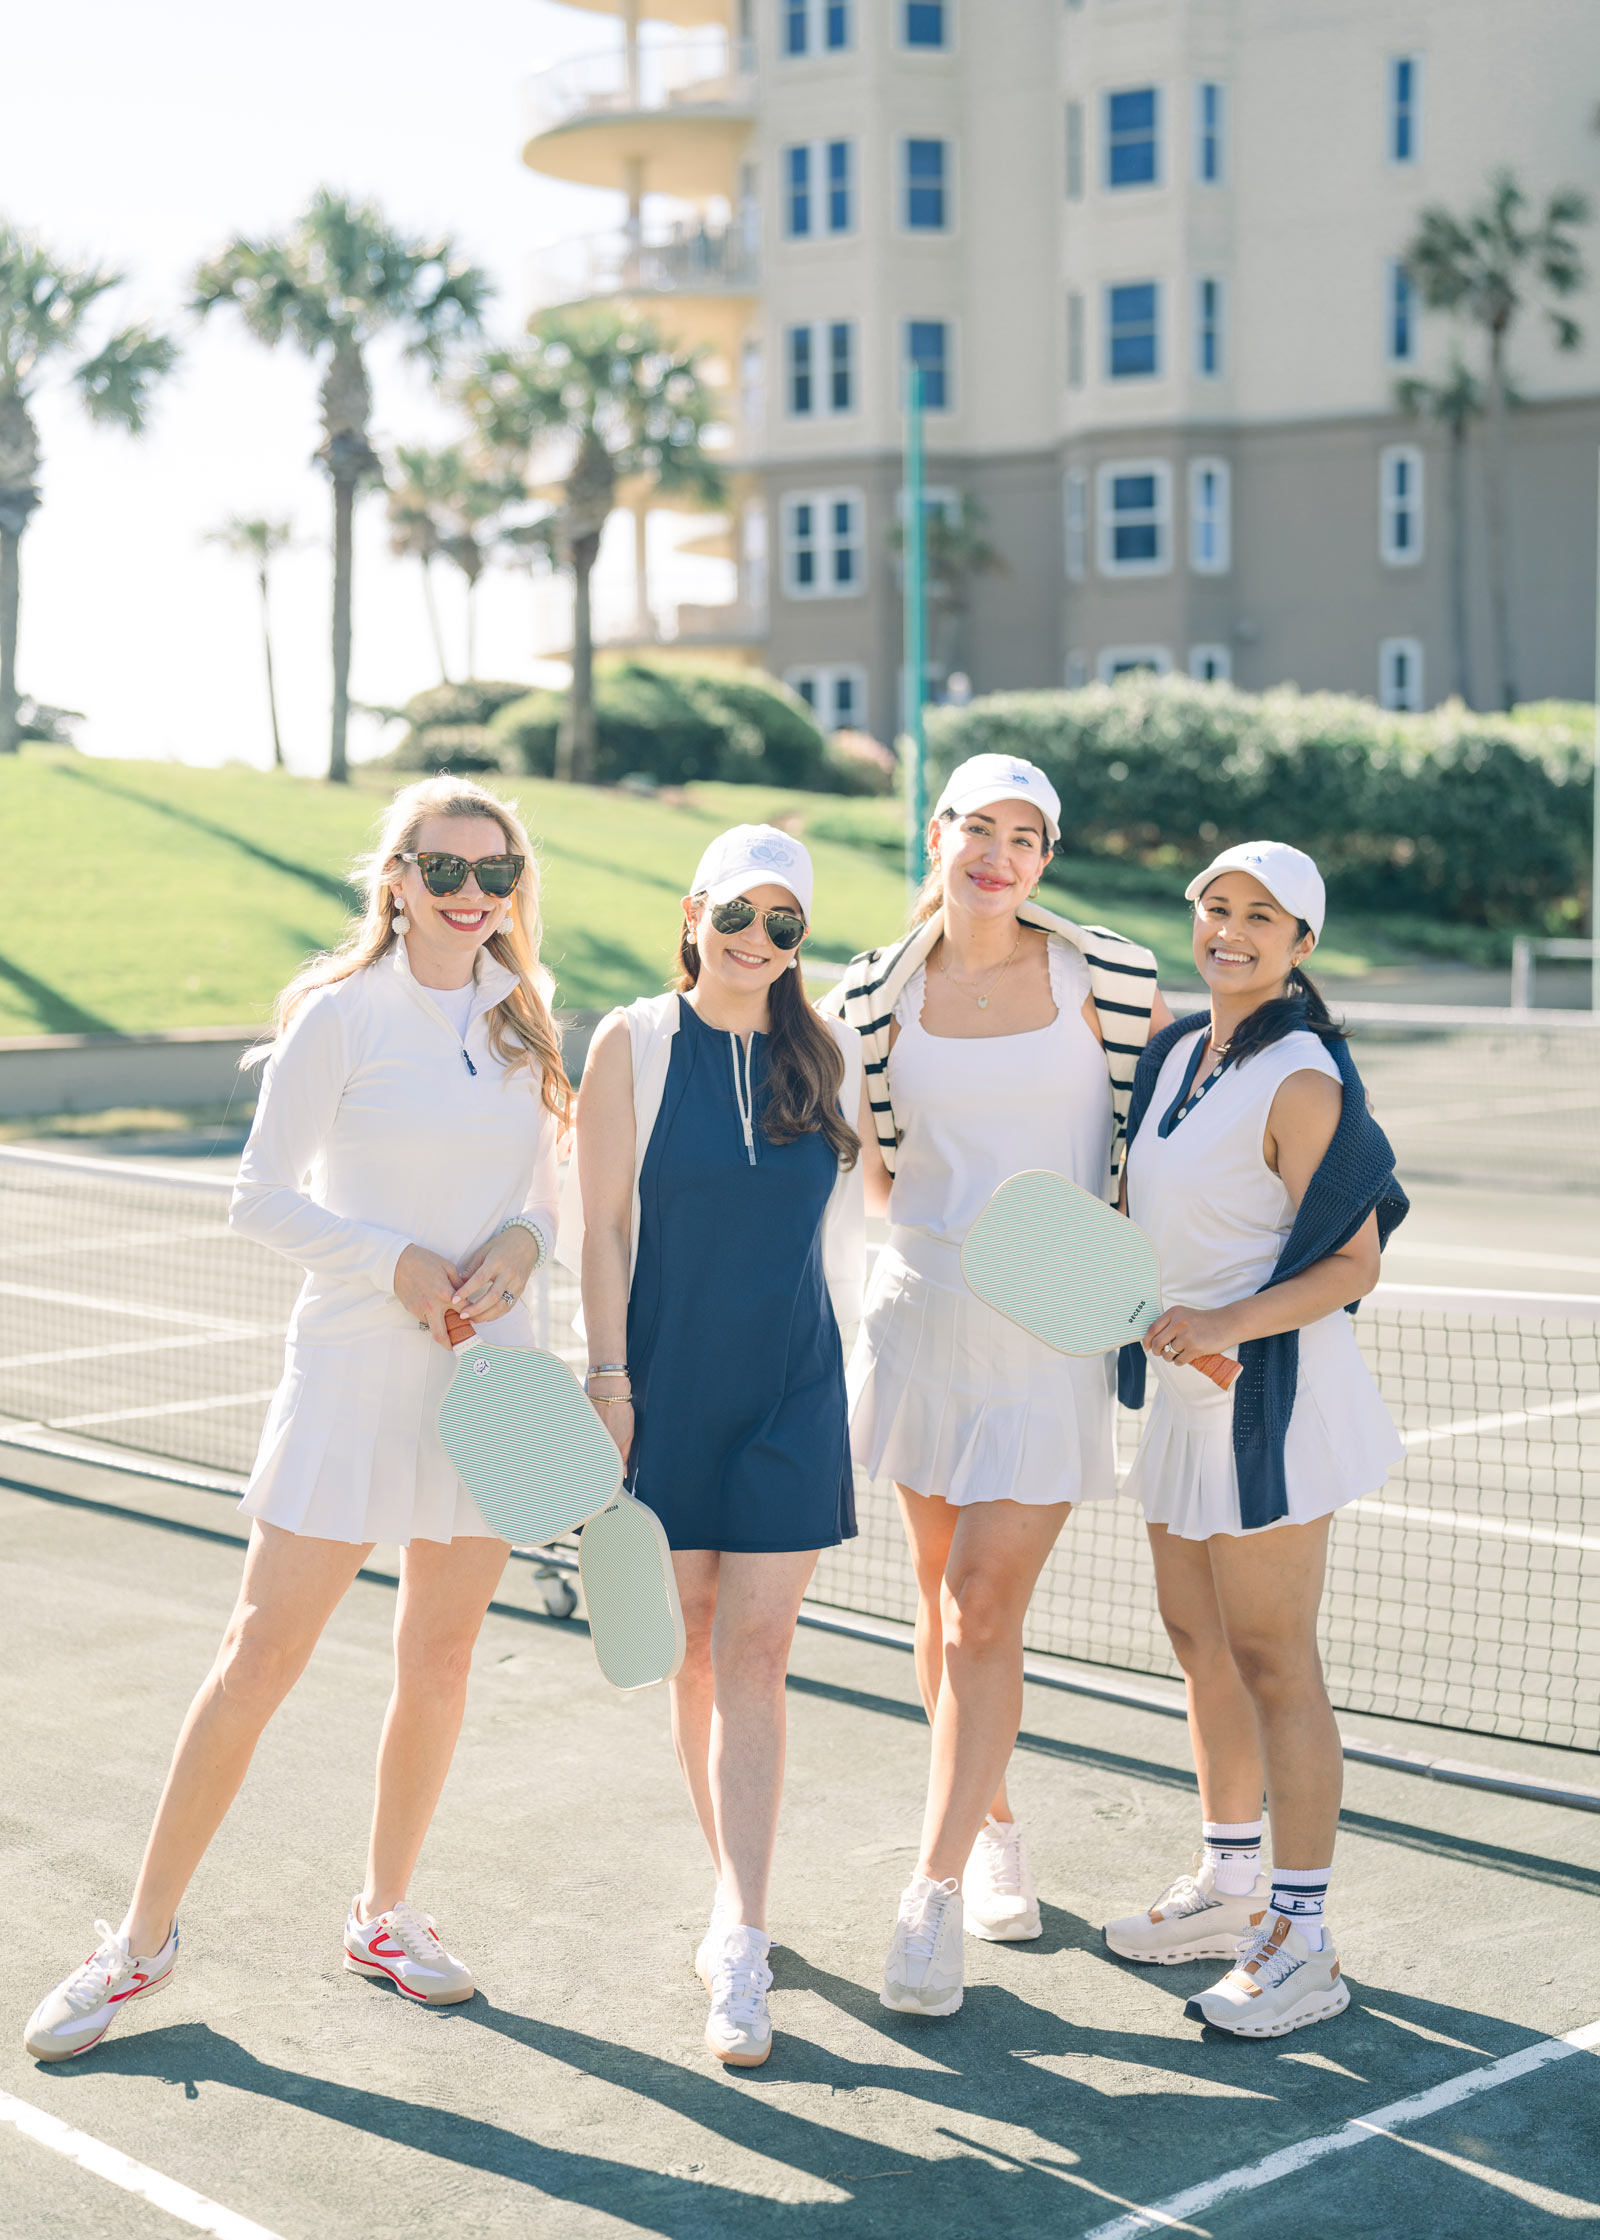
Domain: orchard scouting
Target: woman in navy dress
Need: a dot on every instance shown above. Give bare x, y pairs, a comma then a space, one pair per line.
721, 1200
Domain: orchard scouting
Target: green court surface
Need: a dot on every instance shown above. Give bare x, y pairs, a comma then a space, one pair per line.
572, 2096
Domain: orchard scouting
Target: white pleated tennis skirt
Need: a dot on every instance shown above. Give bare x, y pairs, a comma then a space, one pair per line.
952, 1400
1341, 1442
351, 1450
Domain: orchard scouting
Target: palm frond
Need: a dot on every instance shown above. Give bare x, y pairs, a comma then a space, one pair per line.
117, 382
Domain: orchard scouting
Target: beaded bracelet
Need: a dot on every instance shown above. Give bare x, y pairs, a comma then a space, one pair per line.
624, 1400
523, 1221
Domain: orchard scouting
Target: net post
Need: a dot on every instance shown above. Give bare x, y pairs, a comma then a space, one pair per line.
914, 546
1594, 853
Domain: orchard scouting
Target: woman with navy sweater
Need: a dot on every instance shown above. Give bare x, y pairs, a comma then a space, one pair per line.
1268, 1190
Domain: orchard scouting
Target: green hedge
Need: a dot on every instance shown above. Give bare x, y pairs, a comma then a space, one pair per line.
448, 727
1477, 818
673, 723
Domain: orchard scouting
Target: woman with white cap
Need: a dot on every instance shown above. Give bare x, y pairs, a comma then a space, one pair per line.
721, 1203
997, 1037
1268, 1190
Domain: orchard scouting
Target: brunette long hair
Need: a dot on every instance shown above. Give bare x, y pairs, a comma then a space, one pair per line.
521, 1029
1301, 1006
805, 1067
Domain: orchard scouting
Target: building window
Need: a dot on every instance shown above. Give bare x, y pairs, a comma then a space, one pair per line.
1077, 671
1401, 315
795, 27
1074, 341
1074, 151
1210, 664
1400, 675
840, 159
1077, 522
928, 348
797, 192
822, 543
1209, 145
836, 25
1400, 505
926, 168
801, 371
1210, 517
1133, 341
1208, 351
752, 385
1405, 108
923, 23
754, 583
1132, 661
836, 696
842, 366
1132, 138
1135, 512
823, 25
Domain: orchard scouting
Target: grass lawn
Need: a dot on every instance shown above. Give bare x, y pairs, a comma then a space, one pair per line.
147, 895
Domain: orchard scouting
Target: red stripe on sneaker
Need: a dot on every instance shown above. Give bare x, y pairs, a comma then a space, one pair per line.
393, 1978
145, 1983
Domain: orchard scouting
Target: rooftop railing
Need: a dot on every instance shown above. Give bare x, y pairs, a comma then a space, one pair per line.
690, 259
686, 73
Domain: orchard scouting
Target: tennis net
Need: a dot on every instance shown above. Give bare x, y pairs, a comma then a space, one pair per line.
1465, 1595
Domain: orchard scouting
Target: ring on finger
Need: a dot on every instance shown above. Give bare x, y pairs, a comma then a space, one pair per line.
509, 1297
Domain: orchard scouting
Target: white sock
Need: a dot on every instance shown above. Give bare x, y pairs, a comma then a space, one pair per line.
1234, 1850
1300, 1893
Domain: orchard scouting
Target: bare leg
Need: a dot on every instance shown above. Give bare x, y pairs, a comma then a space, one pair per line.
1269, 1588
758, 1600
692, 1695
1222, 1720
930, 1527
290, 1589
996, 1554
445, 1588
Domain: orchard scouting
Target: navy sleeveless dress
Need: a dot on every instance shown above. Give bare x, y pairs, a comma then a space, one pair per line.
741, 1432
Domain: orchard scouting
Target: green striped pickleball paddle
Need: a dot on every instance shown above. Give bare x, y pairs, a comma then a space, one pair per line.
631, 1595
1068, 1268
528, 1446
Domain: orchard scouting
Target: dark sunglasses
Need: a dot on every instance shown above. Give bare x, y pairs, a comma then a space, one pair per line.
786, 929
496, 875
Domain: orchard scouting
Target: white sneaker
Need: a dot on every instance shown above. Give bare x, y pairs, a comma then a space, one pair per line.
403, 1946
1191, 1920
923, 1973
79, 2012
738, 2028
1277, 1984
997, 1893
705, 1959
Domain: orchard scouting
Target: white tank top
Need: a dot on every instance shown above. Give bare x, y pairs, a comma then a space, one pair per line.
1204, 1195
975, 1110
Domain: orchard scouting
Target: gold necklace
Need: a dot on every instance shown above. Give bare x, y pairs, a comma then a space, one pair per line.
968, 990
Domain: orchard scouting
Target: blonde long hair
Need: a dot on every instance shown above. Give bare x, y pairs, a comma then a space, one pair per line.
521, 1028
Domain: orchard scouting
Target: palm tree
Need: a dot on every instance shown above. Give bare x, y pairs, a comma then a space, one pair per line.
415, 502
1454, 403
445, 505
45, 306
337, 279
258, 540
1489, 266
592, 400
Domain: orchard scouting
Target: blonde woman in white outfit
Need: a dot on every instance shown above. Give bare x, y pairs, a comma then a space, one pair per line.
999, 1038
404, 1154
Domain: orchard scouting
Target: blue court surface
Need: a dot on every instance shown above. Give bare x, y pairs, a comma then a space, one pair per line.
267, 2092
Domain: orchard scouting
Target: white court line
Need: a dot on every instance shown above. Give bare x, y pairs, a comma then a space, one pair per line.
133, 2177
138, 1310
133, 1415
1164, 2215
1493, 1257
1457, 1520
120, 1241
143, 1345
1498, 1108
1585, 1404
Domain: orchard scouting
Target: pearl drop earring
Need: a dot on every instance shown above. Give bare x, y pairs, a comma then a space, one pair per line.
402, 924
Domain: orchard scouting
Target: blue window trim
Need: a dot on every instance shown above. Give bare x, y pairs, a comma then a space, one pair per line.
797, 189
1131, 129
800, 373
795, 26
837, 26
841, 365
1210, 150
839, 160
925, 25
1405, 74
926, 343
1133, 330
1400, 316
926, 168
1208, 353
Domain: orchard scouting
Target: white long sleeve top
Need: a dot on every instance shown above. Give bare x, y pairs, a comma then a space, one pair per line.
380, 1126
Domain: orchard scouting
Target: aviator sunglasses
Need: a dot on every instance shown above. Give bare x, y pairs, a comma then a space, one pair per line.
497, 875
786, 929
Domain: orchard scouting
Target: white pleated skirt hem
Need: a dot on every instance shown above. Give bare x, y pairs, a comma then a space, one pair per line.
954, 1402
1341, 1442
351, 1450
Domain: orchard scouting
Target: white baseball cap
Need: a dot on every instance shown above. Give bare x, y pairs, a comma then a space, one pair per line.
983, 778
754, 855
1289, 876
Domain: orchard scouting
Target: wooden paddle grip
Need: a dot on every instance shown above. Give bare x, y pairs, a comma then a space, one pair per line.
1217, 1367
456, 1327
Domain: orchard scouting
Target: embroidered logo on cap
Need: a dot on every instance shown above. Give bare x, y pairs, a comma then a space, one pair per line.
770, 851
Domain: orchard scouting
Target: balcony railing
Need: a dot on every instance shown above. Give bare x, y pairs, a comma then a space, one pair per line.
688, 73
693, 260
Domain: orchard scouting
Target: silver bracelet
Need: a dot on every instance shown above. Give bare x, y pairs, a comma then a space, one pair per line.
526, 1221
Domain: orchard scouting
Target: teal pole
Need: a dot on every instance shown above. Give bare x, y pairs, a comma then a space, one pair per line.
1594, 859
914, 749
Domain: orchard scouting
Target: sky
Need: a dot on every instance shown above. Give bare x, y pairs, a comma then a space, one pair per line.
147, 137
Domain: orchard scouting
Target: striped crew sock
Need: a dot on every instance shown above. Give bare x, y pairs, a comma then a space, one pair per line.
1234, 1850
1301, 1893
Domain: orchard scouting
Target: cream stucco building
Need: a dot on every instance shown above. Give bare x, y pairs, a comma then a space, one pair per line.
1145, 252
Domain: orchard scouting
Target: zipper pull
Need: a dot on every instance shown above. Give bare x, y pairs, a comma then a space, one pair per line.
471, 1068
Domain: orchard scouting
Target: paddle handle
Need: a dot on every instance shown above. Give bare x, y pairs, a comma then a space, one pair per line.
1217, 1367
457, 1328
